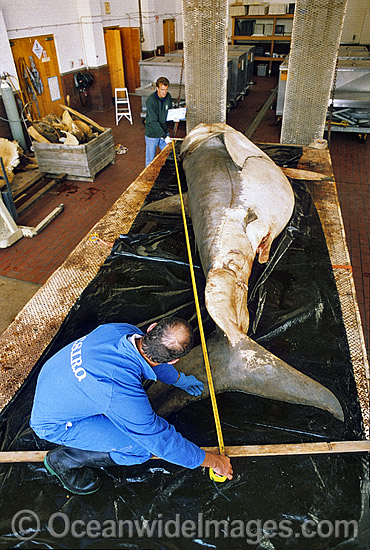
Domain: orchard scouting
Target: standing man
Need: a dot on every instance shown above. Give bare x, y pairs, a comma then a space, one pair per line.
157, 106
90, 400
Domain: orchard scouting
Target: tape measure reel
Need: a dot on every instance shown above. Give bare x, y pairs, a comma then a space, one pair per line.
216, 477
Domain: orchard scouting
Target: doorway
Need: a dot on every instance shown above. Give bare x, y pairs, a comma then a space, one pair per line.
113, 48
168, 35
38, 74
130, 38
122, 47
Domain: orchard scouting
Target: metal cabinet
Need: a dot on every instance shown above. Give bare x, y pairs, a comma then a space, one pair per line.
249, 51
351, 103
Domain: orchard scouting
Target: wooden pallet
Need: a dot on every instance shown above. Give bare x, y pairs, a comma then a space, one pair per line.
28, 187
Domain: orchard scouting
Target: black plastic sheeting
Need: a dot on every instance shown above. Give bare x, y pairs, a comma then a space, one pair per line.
272, 503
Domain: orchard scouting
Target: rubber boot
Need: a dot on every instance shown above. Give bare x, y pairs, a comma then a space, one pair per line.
71, 467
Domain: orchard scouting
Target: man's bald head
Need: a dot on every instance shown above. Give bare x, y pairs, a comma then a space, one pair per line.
171, 338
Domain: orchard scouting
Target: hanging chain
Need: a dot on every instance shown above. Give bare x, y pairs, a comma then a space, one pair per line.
179, 96
180, 85
331, 106
141, 32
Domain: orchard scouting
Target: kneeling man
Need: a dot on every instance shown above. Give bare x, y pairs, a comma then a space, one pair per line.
90, 400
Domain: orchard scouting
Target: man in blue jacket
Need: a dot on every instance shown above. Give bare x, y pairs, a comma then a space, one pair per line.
157, 106
90, 399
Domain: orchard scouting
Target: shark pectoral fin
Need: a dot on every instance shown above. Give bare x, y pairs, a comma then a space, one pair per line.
169, 205
297, 174
198, 135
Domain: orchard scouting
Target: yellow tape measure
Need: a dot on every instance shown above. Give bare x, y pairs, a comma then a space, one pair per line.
216, 477
212, 474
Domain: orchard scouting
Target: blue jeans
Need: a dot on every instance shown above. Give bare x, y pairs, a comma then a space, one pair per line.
151, 147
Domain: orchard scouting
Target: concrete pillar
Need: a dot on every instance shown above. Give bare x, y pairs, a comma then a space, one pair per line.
317, 28
205, 56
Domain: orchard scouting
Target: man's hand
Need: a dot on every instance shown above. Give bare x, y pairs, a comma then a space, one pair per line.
190, 384
167, 139
220, 464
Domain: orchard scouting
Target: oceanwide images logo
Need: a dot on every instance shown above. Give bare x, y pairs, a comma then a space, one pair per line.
26, 525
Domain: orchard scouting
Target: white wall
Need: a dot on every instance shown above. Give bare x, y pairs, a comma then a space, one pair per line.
168, 9
77, 26
7, 65
91, 28
355, 19
126, 14
25, 18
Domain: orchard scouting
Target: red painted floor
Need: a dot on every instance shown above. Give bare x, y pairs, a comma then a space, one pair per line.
34, 260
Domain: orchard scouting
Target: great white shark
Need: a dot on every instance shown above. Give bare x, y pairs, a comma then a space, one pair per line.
239, 202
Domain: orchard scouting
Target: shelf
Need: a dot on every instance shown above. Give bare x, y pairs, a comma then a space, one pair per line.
265, 58
286, 16
262, 37
269, 40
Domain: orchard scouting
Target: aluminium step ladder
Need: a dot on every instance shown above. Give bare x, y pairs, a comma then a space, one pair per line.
122, 104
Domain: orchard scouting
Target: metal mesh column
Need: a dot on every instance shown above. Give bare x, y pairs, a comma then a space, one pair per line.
317, 29
205, 60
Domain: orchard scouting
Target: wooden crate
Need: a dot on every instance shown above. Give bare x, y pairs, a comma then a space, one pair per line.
79, 162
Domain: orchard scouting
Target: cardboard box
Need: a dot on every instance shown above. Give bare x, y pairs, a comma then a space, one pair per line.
277, 9
259, 29
237, 9
268, 29
262, 9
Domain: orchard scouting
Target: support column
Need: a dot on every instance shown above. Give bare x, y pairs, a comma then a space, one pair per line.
317, 29
205, 24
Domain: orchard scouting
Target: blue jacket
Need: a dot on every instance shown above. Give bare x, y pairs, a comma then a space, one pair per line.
102, 374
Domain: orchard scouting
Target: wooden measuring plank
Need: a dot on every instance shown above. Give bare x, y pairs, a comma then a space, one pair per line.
261, 115
245, 451
30, 192
84, 118
296, 448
